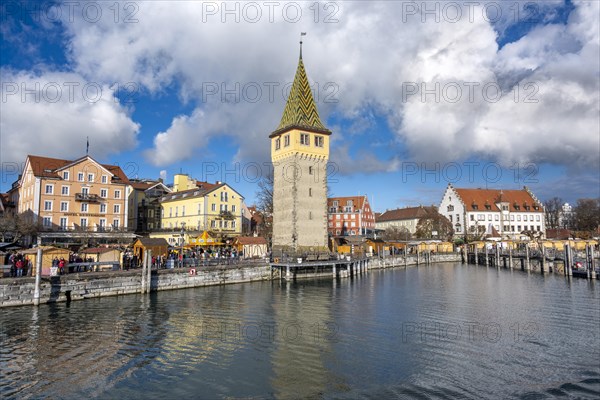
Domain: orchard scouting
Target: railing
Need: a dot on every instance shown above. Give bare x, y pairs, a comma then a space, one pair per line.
87, 197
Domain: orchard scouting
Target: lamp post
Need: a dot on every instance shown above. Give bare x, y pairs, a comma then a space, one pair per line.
182, 240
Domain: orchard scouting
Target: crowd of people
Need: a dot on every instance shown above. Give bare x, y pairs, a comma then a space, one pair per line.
174, 257
20, 265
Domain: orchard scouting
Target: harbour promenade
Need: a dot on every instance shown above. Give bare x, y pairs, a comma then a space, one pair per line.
85, 285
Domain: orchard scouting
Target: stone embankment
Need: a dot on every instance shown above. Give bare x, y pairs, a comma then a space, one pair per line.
20, 291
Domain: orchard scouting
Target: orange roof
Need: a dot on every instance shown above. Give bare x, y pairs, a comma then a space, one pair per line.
206, 185
45, 167
247, 240
404, 213
486, 199
357, 202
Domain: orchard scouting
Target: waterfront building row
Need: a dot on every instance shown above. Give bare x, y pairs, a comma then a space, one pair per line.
84, 199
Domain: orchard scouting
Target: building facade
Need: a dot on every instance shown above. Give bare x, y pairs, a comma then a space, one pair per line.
402, 218
80, 196
492, 212
299, 153
216, 208
350, 216
144, 205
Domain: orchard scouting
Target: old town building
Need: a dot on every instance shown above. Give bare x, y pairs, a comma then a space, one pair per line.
404, 219
350, 216
493, 212
144, 204
82, 197
216, 208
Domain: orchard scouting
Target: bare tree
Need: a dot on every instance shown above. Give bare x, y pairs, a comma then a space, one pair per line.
587, 215
264, 206
18, 226
396, 233
553, 210
434, 222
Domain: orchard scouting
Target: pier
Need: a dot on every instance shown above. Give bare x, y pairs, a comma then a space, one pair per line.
297, 268
568, 261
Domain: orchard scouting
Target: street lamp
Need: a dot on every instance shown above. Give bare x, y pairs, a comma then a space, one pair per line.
182, 240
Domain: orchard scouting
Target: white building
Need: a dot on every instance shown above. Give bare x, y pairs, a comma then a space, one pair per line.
492, 212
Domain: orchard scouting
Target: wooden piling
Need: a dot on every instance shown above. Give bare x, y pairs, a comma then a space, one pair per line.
149, 271
144, 274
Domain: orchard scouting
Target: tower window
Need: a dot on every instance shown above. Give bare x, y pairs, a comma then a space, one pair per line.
310, 170
309, 192
318, 141
277, 144
286, 140
305, 139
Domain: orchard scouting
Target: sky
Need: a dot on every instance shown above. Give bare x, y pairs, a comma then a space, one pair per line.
418, 95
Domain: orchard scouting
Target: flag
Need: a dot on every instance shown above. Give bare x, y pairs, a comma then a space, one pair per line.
87, 146
302, 33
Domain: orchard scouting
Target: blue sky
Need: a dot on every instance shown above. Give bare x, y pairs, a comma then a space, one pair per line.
417, 94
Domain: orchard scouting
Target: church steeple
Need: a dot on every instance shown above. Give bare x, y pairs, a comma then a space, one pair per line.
300, 109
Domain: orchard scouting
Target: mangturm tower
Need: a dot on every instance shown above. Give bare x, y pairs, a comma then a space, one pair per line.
299, 152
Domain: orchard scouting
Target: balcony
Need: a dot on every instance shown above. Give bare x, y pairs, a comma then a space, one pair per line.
92, 198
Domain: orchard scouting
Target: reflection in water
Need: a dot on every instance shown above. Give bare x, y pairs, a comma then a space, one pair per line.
443, 331
303, 331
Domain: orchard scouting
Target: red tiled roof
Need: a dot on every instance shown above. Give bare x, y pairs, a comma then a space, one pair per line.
142, 185
357, 202
561, 234
206, 185
480, 198
45, 167
404, 213
247, 240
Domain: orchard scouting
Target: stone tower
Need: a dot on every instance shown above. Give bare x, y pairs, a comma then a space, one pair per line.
299, 152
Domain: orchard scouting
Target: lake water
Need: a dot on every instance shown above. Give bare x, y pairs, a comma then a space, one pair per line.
443, 331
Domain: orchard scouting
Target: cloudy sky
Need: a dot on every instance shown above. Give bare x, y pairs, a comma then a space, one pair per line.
418, 94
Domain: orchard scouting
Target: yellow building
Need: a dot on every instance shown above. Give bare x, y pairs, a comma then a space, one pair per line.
73, 198
216, 208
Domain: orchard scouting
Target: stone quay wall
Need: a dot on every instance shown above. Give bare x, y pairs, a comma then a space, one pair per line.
20, 291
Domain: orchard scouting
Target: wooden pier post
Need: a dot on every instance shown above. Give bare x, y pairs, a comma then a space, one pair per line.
149, 271
527, 266
476, 255
510, 259
591, 261
144, 264
334, 271
487, 258
418, 256
543, 262
38, 272
497, 255
288, 273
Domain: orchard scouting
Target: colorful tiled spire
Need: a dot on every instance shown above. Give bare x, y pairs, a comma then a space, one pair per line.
301, 109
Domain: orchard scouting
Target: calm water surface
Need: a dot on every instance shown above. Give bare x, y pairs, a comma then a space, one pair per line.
445, 331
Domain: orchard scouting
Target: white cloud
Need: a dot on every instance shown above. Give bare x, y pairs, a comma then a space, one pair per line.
372, 53
52, 114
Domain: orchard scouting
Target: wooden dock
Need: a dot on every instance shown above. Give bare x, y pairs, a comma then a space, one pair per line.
341, 268
538, 260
